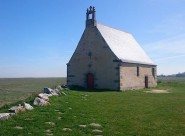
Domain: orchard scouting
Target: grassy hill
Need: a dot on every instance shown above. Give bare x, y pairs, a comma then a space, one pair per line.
118, 113
14, 89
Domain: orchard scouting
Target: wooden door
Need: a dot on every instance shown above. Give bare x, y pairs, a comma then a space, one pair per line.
90, 81
146, 81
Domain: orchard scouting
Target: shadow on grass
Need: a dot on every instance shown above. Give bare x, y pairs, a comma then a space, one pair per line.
82, 89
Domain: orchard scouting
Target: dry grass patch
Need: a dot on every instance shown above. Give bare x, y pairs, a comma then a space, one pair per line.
157, 91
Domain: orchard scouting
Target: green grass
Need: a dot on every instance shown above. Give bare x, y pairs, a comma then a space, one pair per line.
128, 113
14, 89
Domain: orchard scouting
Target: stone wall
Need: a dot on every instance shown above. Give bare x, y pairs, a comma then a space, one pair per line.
93, 55
131, 78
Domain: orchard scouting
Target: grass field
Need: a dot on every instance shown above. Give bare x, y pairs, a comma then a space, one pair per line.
14, 89
129, 113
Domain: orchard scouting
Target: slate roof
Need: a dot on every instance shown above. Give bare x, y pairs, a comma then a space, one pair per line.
124, 46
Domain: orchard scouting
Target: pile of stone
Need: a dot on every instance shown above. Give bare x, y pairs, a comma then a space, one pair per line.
14, 110
42, 99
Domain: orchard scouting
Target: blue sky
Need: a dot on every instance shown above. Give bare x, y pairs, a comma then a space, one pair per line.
38, 37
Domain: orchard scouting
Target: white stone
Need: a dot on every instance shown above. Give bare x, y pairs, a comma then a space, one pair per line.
59, 87
4, 116
18, 127
57, 91
27, 106
48, 131
95, 125
83, 126
50, 123
44, 96
60, 113
49, 91
59, 118
64, 86
52, 91
67, 129
97, 131
40, 102
16, 109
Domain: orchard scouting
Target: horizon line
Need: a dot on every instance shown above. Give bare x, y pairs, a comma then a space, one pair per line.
31, 77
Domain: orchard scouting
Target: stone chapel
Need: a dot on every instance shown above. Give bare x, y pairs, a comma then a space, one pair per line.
108, 58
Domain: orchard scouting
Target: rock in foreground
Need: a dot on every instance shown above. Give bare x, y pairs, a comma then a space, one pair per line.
27, 106
16, 109
4, 116
40, 102
51, 91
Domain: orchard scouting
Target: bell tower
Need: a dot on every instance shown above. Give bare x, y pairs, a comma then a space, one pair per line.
91, 17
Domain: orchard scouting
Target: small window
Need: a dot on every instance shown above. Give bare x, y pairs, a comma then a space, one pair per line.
137, 70
89, 54
90, 16
153, 72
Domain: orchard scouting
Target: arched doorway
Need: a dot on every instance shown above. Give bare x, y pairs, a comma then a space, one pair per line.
90, 81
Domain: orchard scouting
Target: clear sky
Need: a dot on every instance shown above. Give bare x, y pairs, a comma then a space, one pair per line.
38, 37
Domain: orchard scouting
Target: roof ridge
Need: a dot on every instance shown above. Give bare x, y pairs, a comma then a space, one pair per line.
124, 45
98, 23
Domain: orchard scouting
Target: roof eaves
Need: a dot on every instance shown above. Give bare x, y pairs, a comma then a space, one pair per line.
137, 62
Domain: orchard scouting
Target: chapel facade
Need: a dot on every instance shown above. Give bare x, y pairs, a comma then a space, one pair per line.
107, 58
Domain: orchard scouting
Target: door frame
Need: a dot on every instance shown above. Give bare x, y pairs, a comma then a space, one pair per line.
146, 81
90, 81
